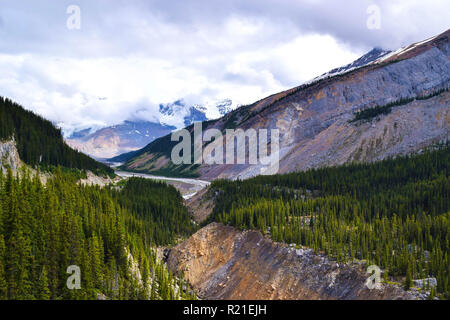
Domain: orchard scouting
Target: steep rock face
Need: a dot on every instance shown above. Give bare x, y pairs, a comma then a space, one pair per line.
222, 262
314, 122
314, 119
9, 157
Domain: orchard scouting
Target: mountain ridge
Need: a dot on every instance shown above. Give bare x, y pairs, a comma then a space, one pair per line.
314, 117
39, 142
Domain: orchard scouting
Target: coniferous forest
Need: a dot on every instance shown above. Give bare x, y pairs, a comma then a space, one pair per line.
107, 232
393, 213
39, 142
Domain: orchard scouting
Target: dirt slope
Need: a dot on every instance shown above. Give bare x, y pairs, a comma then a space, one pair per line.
222, 262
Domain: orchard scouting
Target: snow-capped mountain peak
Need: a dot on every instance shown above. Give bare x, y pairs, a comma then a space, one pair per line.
106, 142
181, 114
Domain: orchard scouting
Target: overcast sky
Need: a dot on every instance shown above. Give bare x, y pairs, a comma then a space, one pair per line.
129, 56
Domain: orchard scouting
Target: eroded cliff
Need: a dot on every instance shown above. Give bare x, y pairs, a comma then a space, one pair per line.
222, 262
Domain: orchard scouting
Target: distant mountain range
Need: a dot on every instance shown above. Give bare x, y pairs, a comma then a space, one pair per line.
117, 139
132, 135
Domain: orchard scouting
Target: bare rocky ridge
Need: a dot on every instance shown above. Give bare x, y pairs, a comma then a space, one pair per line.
222, 262
314, 119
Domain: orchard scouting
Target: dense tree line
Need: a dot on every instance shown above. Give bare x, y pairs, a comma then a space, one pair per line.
157, 209
39, 142
44, 229
373, 112
394, 213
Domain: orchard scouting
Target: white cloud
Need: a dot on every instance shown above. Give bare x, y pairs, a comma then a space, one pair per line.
142, 53
70, 91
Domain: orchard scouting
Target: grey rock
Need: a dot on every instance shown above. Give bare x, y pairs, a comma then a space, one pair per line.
9, 156
423, 283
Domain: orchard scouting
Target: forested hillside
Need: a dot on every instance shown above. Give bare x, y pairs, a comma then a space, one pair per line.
39, 142
393, 213
107, 232
158, 207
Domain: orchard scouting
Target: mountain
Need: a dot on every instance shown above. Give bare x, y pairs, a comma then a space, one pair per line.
111, 141
181, 114
225, 106
336, 232
400, 100
170, 112
38, 142
133, 135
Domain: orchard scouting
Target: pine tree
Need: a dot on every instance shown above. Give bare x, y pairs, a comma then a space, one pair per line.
3, 282
43, 290
408, 279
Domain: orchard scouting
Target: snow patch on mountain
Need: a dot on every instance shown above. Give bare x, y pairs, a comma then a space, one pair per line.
373, 56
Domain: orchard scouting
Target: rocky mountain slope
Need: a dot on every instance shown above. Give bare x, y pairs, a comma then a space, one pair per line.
245, 265
315, 119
